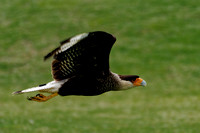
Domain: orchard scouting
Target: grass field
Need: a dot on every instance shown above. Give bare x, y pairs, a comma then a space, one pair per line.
158, 40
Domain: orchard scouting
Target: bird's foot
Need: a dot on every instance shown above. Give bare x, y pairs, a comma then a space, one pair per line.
41, 97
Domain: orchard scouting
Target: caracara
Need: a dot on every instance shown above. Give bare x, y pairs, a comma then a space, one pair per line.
81, 67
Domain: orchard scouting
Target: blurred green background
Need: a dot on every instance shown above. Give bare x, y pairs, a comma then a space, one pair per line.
158, 40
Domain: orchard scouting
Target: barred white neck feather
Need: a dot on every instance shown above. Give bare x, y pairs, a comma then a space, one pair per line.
123, 84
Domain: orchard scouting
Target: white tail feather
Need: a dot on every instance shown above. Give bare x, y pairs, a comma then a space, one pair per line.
36, 89
50, 87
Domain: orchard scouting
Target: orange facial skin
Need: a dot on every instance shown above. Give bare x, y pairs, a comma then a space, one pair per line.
137, 82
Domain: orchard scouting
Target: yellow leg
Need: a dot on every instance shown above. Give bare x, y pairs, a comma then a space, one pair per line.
42, 98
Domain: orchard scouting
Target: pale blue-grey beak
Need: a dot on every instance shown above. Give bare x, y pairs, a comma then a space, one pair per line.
143, 83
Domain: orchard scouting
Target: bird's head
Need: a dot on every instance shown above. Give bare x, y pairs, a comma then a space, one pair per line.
132, 81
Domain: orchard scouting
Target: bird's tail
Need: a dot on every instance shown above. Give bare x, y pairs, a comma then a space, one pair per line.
38, 88
50, 87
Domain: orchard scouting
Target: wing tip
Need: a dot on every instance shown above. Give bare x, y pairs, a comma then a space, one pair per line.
50, 54
47, 56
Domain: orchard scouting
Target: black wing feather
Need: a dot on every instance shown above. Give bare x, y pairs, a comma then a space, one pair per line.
89, 54
50, 54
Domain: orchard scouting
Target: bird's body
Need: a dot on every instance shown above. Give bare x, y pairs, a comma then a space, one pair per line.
81, 67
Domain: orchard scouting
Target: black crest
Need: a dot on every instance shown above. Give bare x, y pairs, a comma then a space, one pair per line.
129, 77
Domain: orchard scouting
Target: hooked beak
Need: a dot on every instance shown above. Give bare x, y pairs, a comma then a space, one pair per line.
139, 82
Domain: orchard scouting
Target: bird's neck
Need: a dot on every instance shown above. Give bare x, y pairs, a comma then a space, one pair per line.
122, 84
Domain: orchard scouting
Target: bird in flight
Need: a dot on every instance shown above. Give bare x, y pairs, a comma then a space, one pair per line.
81, 67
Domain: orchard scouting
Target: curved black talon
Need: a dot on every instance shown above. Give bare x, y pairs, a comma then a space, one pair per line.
38, 95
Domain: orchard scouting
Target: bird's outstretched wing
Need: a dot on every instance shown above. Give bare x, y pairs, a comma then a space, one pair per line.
87, 53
